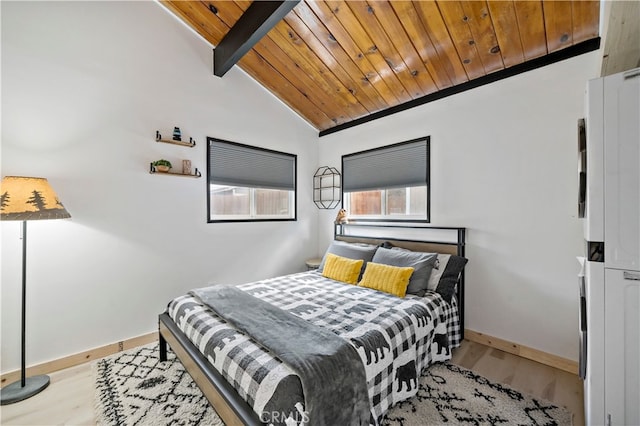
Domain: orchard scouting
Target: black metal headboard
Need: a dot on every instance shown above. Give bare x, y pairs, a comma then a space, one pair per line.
432, 239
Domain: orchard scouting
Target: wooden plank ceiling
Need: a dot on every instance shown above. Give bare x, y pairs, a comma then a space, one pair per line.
334, 62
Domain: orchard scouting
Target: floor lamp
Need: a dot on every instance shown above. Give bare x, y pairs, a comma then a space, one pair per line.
27, 198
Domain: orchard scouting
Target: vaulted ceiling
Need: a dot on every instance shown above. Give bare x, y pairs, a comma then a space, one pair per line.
337, 63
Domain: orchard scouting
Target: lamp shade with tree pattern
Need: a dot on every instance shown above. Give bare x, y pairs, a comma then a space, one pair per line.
29, 198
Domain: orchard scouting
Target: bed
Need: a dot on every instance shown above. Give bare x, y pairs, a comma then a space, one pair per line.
394, 338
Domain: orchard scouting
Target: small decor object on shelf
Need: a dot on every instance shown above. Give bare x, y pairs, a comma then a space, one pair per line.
186, 167
341, 217
177, 135
162, 165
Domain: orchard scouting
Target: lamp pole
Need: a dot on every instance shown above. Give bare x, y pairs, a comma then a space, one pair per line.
23, 377
26, 387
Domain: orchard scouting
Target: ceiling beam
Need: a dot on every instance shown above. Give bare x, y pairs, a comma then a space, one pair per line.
254, 23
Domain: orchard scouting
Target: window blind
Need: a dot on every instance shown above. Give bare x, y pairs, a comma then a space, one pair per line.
395, 166
243, 165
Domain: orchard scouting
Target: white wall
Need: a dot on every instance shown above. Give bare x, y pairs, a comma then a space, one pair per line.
85, 85
504, 165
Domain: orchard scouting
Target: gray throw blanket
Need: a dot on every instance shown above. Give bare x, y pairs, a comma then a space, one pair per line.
330, 369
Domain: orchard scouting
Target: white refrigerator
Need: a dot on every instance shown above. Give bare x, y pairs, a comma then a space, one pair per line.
609, 170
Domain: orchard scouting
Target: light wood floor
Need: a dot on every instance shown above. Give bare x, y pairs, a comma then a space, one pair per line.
541, 381
69, 398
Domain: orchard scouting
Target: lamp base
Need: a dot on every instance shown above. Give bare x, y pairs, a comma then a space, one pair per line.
15, 392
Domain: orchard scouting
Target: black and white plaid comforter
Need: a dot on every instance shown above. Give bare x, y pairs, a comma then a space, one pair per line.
395, 338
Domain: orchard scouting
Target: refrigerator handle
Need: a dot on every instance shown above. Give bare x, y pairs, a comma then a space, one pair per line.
583, 333
635, 276
581, 280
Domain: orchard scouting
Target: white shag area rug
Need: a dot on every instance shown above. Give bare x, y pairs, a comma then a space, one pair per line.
135, 388
452, 395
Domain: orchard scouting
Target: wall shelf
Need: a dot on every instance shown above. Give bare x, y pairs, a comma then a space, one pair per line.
326, 187
186, 164
189, 144
153, 170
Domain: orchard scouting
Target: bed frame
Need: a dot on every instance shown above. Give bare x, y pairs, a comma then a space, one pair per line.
231, 408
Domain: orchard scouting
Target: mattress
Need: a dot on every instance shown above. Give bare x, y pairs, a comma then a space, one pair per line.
396, 339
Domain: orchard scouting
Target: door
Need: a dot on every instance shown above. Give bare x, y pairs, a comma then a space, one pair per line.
622, 173
594, 381
622, 347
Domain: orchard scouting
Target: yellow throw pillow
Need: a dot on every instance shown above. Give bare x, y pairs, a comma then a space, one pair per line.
342, 268
387, 278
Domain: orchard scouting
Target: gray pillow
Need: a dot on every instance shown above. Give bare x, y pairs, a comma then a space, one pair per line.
422, 263
350, 250
446, 274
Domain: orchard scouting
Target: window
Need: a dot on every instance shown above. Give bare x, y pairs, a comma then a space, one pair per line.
249, 184
389, 183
